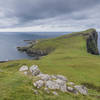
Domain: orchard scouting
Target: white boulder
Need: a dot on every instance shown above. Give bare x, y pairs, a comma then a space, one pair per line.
73, 90
81, 89
38, 84
44, 77
24, 68
53, 77
70, 89
61, 77
34, 70
56, 85
51, 85
62, 85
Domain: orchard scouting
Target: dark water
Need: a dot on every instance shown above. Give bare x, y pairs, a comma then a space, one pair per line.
9, 42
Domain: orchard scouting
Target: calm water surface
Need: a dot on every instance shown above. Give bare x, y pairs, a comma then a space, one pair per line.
9, 42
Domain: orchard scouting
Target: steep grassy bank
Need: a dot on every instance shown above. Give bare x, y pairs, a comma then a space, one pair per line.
69, 58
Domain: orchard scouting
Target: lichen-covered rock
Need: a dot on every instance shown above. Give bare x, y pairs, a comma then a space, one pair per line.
62, 85
61, 77
44, 77
56, 85
38, 84
81, 89
51, 85
52, 82
63, 88
72, 90
53, 77
34, 70
23, 68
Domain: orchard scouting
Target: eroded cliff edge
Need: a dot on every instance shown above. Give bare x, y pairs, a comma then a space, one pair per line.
91, 41
46, 46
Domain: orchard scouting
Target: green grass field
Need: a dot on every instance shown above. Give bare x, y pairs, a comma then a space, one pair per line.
69, 58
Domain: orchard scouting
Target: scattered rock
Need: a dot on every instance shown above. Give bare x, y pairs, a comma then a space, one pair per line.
34, 70
63, 88
56, 85
24, 68
61, 84
38, 84
53, 82
53, 77
51, 85
55, 93
72, 90
44, 77
61, 77
81, 89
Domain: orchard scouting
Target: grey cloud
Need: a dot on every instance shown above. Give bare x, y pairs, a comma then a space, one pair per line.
40, 12
27, 10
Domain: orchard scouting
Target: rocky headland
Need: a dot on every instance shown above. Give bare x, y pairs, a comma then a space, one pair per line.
36, 48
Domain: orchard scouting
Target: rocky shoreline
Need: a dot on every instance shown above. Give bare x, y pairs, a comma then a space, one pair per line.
31, 43
32, 52
90, 36
3, 61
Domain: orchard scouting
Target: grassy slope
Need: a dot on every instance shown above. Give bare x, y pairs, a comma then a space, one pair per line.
69, 58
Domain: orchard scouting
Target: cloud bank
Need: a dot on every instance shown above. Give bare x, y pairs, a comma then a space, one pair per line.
49, 15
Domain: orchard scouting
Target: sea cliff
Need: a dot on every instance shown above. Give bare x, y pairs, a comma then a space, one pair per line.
43, 47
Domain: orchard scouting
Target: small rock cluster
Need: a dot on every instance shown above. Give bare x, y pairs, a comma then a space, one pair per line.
52, 82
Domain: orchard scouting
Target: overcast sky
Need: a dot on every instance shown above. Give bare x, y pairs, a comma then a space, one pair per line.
49, 15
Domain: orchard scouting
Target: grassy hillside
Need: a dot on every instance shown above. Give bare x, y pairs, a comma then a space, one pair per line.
69, 57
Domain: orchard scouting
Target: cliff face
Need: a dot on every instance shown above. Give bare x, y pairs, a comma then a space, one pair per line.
91, 41
44, 47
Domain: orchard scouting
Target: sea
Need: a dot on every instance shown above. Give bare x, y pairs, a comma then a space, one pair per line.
10, 40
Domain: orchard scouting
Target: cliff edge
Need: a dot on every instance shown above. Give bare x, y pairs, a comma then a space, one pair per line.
46, 46
92, 38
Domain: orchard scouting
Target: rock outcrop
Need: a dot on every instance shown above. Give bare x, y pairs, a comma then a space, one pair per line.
34, 70
91, 41
83, 90
23, 68
52, 83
